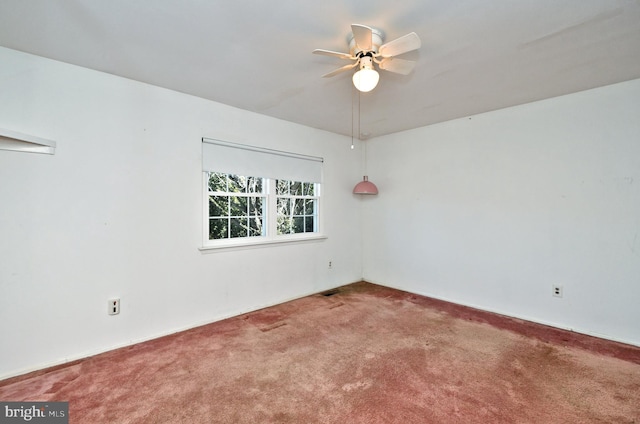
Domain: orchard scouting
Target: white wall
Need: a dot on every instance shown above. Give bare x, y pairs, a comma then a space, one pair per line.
491, 210
116, 212
488, 211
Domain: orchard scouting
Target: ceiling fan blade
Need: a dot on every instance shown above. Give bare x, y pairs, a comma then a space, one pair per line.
363, 36
401, 45
398, 66
344, 68
333, 54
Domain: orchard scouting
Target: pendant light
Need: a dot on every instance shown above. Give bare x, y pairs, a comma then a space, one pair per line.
365, 186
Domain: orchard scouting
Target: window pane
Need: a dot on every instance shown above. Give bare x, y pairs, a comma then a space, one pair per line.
284, 225
282, 187
298, 225
218, 206
255, 205
309, 207
238, 206
255, 226
254, 185
238, 227
296, 188
256, 217
217, 181
298, 206
218, 228
237, 184
284, 207
308, 189
308, 224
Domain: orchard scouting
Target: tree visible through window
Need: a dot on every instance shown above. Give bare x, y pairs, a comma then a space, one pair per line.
297, 207
236, 206
255, 207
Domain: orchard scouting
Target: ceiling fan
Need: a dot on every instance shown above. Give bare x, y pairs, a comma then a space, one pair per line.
366, 48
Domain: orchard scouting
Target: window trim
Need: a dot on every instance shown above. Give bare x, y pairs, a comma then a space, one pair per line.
236, 244
259, 241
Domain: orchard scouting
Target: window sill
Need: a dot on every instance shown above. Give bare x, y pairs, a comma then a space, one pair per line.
225, 245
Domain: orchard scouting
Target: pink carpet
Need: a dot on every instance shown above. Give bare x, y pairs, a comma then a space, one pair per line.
362, 354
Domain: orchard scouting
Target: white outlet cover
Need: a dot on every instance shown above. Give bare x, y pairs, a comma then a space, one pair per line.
556, 291
113, 306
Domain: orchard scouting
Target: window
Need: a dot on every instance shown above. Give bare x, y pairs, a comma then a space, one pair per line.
236, 206
255, 195
297, 207
239, 207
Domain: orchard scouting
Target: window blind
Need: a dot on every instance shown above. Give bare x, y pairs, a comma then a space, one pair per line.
251, 161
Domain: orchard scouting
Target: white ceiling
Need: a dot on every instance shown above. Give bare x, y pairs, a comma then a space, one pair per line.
476, 55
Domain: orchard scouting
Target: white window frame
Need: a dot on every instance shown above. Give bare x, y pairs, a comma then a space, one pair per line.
253, 161
271, 236
246, 195
293, 197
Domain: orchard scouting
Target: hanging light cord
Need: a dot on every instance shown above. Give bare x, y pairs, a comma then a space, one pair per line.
352, 106
359, 114
364, 143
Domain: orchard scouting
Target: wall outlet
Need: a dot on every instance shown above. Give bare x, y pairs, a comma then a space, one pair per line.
114, 306
556, 290
330, 264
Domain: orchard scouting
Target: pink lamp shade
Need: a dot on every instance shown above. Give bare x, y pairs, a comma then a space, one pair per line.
365, 187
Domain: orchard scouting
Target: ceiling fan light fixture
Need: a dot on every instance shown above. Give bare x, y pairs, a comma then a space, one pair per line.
365, 47
366, 79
